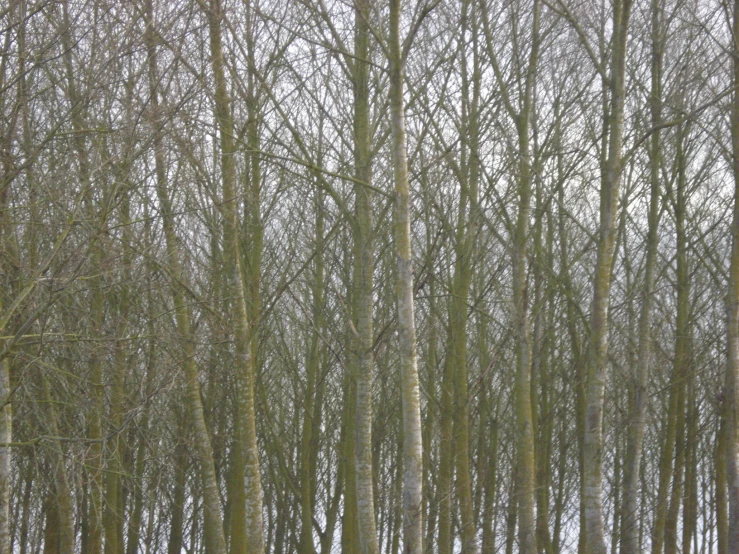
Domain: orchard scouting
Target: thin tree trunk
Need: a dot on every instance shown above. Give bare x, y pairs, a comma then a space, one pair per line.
512, 512
349, 524
174, 546
544, 418
65, 533
312, 366
732, 375
446, 469
690, 498
598, 349
134, 526
637, 420
363, 282
682, 354
488, 537
411, 404
6, 411
95, 456
114, 514
213, 527
720, 459
246, 426
459, 311
526, 459
251, 272
430, 425
26, 506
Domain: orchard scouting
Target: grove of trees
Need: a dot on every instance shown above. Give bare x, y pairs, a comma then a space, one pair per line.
368, 276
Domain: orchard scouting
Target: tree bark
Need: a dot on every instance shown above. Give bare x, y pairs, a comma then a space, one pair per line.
524, 419
213, 529
732, 375
246, 425
363, 282
592, 477
411, 402
637, 420
682, 355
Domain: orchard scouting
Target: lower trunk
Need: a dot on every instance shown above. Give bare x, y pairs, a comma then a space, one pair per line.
51, 526
64, 519
134, 527
722, 521
446, 469
510, 536
349, 525
6, 425
178, 503
488, 538
690, 498
26, 506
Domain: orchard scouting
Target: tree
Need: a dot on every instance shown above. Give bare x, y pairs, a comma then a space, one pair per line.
412, 439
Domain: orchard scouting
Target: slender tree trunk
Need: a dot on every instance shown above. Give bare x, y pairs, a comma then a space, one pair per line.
349, 524
541, 367
459, 311
6, 413
252, 238
412, 436
598, 349
174, 546
489, 431
95, 456
682, 355
720, 459
65, 533
488, 537
637, 420
139, 489
312, 366
246, 426
526, 459
666, 468
559, 501
213, 525
23, 534
568, 289
511, 513
114, 514
690, 498
363, 282
732, 375
430, 425
446, 469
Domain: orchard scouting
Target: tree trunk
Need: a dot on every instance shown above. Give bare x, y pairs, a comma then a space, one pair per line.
732, 375
459, 311
312, 366
524, 419
65, 533
720, 460
411, 403
637, 420
363, 283
592, 477
246, 425
213, 528
682, 354
97, 307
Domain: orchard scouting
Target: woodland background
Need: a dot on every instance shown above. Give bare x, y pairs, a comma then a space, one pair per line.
333, 276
